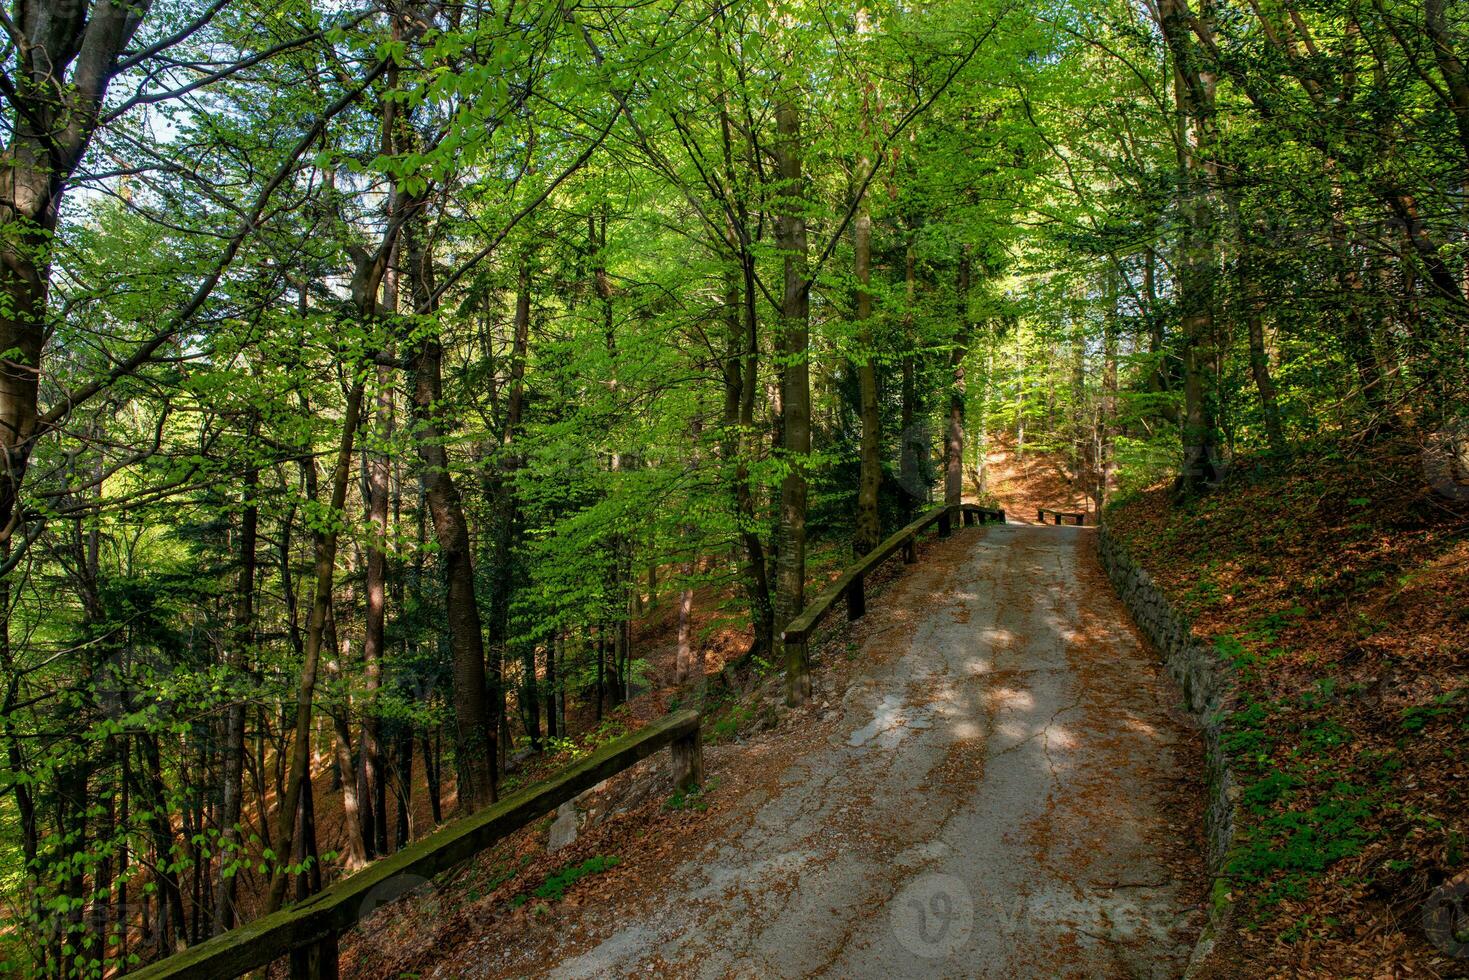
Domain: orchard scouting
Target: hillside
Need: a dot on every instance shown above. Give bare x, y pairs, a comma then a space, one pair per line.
1339, 588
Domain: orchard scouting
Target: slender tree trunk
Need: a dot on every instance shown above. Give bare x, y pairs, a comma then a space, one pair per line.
431, 772
552, 686
1194, 93
1019, 395
326, 555
373, 644
475, 735
790, 596
689, 665
1108, 421
171, 898
740, 366
982, 437
684, 656
869, 525
356, 828
954, 442
241, 642
1355, 332
403, 785
1260, 370
912, 442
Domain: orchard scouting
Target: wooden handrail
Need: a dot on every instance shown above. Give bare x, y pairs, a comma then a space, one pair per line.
797, 633
1077, 515
308, 930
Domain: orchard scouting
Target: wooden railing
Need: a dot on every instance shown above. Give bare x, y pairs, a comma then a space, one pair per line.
1076, 516
796, 635
308, 930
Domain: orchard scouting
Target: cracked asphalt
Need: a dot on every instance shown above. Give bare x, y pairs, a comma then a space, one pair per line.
1003, 791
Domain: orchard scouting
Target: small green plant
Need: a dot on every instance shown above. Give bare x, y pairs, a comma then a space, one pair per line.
728, 726
1325, 736
554, 887
1267, 628
692, 798
1246, 736
1324, 693
1233, 651
1416, 718
1204, 593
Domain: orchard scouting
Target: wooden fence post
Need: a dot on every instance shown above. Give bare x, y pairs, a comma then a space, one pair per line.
688, 761
316, 961
945, 526
798, 672
910, 550
856, 599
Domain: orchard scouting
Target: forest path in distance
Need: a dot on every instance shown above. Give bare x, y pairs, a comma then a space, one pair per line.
1005, 789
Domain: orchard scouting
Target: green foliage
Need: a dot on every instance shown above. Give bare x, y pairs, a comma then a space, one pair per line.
694, 798
729, 724
554, 888
1274, 858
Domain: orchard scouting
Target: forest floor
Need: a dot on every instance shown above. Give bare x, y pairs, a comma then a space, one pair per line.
1339, 588
990, 780
1022, 482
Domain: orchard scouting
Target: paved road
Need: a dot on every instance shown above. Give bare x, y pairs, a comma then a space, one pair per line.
1002, 795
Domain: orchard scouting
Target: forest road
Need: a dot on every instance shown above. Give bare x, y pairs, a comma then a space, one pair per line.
1005, 791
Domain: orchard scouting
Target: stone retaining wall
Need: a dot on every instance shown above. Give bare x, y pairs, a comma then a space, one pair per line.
1208, 689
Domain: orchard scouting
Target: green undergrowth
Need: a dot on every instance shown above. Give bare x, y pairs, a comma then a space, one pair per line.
1336, 588
556, 884
694, 798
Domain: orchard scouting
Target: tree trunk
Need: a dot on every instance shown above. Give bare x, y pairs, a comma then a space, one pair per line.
954, 442
687, 664
65, 58
869, 525
373, 644
171, 898
1194, 93
790, 594
326, 555
1260, 369
403, 785
475, 735
740, 362
1108, 420
912, 442
431, 775
356, 828
241, 642
684, 657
